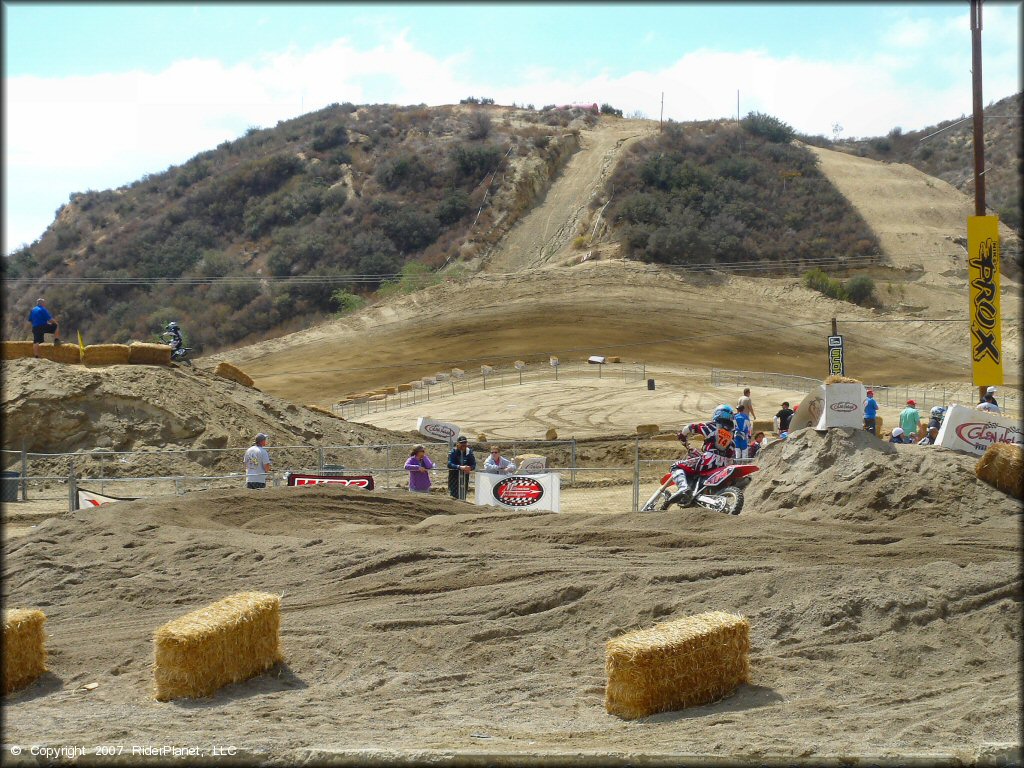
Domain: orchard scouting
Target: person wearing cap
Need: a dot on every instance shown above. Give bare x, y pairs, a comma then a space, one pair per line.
783, 417
910, 419
899, 436
870, 412
42, 323
988, 402
461, 462
257, 462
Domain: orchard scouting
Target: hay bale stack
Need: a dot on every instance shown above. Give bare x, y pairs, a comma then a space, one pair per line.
404, 387
71, 354
1002, 465
325, 411
647, 429
613, 360
227, 642
841, 380
105, 354
16, 350
677, 664
24, 647
481, 438
230, 372
762, 425
391, 390
140, 353
416, 384
551, 434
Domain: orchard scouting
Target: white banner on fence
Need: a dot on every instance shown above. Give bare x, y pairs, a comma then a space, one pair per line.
439, 430
88, 499
540, 492
844, 406
973, 431
532, 465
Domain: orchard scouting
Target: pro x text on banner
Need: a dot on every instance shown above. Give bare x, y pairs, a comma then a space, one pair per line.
532, 492
983, 273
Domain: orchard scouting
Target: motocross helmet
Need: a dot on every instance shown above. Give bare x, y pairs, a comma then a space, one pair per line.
938, 412
172, 326
724, 415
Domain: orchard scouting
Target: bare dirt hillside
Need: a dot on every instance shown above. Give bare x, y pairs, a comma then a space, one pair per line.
545, 235
425, 623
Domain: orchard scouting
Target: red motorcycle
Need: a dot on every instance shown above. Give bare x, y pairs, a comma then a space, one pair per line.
719, 489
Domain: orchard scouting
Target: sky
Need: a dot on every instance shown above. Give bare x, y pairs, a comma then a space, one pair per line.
97, 95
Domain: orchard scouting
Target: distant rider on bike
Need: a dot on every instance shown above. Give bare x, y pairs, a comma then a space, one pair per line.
718, 442
173, 335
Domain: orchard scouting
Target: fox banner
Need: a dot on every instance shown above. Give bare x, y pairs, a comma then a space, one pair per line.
352, 481
88, 499
983, 274
532, 492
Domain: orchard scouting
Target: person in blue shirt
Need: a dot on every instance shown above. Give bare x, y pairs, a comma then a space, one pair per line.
42, 323
870, 412
741, 436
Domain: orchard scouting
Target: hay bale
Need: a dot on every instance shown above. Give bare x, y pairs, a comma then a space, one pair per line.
1002, 465
16, 350
140, 353
405, 387
105, 354
763, 425
841, 380
227, 642
24, 647
683, 663
647, 429
68, 354
230, 372
481, 438
325, 411
612, 360
390, 391
551, 434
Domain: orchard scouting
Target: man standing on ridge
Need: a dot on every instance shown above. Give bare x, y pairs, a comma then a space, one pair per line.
42, 323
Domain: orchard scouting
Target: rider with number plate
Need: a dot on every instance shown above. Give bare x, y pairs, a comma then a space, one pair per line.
718, 444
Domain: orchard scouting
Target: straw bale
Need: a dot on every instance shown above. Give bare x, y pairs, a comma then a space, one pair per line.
391, 391
481, 438
376, 398
404, 387
16, 350
226, 642
24, 647
841, 380
613, 360
140, 353
551, 434
458, 373
687, 662
228, 371
1002, 465
325, 411
416, 384
69, 354
105, 354
762, 425
647, 429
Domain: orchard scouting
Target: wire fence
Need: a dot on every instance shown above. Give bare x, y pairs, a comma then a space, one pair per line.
890, 396
459, 382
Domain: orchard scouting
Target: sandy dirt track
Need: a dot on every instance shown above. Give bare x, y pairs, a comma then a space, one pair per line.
424, 623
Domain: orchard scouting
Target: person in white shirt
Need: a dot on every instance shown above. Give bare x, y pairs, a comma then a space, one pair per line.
257, 463
498, 464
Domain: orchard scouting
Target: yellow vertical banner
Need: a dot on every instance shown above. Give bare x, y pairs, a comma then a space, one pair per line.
983, 274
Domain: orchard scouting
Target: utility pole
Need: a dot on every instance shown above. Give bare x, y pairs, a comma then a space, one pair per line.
979, 123
737, 104
661, 117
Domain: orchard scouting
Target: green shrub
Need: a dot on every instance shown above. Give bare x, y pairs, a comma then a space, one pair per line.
452, 207
768, 127
817, 280
608, 109
345, 301
860, 289
472, 163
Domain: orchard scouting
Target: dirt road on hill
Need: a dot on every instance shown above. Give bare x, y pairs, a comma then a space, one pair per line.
544, 236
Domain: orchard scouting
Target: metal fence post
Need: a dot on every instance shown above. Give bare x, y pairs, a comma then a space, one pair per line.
103, 471
387, 467
572, 465
24, 473
320, 454
72, 488
636, 476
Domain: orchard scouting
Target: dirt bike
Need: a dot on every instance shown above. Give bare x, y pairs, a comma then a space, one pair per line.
178, 354
719, 489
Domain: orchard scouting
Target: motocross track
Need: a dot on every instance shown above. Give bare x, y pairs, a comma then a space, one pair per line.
882, 584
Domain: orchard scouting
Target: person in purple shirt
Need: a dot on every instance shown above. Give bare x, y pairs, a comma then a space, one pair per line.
42, 323
419, 466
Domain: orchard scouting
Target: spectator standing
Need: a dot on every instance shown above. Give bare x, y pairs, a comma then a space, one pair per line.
461, 462
741, 436
42, 323
747, 404
419, 466
257, 462
783, 417
498, 464
870, 412
988, 402
910, 418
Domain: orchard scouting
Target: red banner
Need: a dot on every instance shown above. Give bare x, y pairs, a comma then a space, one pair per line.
352, 481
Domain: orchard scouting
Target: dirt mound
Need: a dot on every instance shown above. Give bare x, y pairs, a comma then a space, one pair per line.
849, 474
61, 408
422, 622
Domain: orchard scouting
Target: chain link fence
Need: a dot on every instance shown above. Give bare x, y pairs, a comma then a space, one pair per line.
459, 382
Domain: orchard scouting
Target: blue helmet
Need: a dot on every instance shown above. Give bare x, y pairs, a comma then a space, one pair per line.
724, 415
938, 412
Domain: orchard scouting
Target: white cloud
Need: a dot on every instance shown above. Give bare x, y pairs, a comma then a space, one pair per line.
67, 135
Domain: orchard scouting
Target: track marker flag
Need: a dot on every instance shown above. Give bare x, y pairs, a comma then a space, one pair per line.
983, 276
81, 344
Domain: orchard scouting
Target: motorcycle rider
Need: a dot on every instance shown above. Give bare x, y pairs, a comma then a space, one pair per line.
174, 331
717, 450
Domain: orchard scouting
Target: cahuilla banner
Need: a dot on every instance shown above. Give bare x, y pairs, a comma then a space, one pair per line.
983, 274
